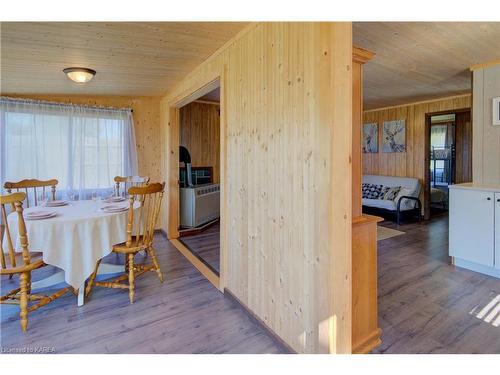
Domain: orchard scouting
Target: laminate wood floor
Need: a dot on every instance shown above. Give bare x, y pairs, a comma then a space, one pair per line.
425, 302
185, 314
424, 307
206, 246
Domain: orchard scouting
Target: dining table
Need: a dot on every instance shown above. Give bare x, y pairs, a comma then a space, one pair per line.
75, 236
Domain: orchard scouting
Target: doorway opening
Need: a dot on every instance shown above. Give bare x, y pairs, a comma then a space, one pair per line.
199, 178
448, 157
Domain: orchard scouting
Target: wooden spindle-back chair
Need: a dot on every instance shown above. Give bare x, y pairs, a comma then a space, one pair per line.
20, 263
129, 182
141, 224
34, 184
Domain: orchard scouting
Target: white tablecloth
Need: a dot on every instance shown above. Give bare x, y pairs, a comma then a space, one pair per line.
75, 239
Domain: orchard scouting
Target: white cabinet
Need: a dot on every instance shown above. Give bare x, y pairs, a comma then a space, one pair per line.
474, 230
497, 230
472, 223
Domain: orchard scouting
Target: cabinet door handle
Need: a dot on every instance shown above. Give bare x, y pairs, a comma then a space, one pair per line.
498, 200
488, 199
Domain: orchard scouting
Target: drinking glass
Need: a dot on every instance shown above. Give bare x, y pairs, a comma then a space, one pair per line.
42, 198
73, 195
95, 195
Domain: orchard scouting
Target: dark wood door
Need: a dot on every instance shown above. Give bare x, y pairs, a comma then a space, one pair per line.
463, 147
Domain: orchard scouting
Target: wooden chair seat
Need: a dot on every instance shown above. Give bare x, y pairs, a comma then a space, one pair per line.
123, 249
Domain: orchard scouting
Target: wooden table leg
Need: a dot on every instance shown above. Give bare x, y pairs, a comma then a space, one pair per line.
58, 277
81, 295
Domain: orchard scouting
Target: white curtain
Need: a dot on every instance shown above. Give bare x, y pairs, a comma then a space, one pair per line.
439, 136
82, 147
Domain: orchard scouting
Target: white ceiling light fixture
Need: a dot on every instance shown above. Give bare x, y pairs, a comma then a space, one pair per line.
79, 75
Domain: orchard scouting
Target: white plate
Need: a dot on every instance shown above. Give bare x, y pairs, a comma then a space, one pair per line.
115, 211
38, 215
56, 203
114, 208
115, 199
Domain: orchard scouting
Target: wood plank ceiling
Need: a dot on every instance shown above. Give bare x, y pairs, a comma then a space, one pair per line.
131, 58
414, 60
422, 60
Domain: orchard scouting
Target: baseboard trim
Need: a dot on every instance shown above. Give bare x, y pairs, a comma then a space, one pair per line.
197, 230
161, 232
284, 347
199, 257
197, 263
471, 266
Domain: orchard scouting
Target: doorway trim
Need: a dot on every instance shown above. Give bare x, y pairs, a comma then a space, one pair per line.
427, 158
194, 92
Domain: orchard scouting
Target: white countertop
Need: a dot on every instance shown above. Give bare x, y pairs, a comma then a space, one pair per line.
473, 186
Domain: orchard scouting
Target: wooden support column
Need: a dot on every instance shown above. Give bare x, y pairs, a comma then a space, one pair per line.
359, 58
365, 330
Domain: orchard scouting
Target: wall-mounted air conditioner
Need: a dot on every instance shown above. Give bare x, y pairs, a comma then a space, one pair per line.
199, 205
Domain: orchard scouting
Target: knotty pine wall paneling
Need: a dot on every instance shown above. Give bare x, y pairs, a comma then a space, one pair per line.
286, 181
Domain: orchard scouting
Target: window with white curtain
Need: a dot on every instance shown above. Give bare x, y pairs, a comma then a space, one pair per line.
82, 147
439, 135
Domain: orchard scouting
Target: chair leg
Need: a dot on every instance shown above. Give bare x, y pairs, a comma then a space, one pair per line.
2, 256
155, 262
90, 283
28, 286
131, 278
23, 301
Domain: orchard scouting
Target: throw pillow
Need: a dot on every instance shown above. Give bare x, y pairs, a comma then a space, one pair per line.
405, 192
371, 191
391, 193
